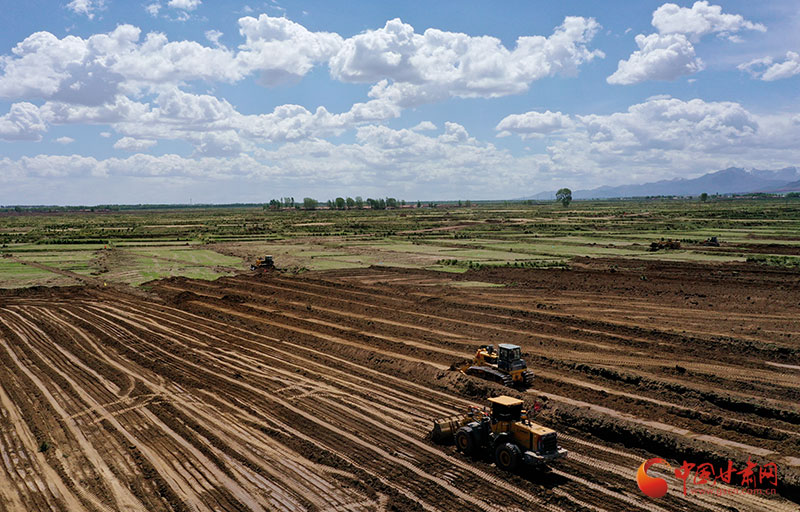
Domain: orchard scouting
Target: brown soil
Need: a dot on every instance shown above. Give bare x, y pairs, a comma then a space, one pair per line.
315, 392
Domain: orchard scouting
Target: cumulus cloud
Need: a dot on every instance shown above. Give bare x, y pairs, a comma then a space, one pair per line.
659, 57
186, 5
699, 20
213, 36
135, 145
533, 124
282, 50
659, 122
118, 110
670, 53
138, 86
411, 69
667, 137
660, 137
64, 140
139, 165
211, 124
768, 69
86, 7
23, 122
406, 68
94, 70
424, 126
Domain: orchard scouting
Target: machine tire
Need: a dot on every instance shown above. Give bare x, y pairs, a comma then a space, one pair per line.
465, 441
507, 456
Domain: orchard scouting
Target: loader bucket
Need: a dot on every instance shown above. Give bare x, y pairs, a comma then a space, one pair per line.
445, 428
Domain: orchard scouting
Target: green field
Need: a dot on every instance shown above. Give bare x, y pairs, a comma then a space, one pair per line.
135, 246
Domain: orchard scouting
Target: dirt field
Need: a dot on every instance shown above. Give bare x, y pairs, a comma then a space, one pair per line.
316, 392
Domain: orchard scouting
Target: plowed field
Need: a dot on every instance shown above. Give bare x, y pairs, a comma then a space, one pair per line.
316, 392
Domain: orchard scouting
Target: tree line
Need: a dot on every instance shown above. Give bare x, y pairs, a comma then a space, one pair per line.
340, 203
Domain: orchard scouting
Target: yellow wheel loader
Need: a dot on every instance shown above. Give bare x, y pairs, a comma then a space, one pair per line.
506, 433
503, 365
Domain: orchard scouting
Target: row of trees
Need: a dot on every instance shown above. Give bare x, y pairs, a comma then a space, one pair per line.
340, 203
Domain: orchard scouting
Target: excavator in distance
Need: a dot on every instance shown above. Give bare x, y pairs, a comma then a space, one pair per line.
503, 365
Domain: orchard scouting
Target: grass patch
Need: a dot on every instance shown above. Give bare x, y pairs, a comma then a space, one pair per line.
775, 261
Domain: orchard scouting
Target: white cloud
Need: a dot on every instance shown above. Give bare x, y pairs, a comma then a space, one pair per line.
72, 69
666, 137
213, 36
135, 145
282, 50
153, 9
670, 53
412, 69
186, 5
208, 122
658, 138
192, 108
424, 126
120, 110
86, 7
660, 57
429, 67
768, 70
533, 124
699, 20
23, 122
227, 143
93, 71
64, 140
105, 135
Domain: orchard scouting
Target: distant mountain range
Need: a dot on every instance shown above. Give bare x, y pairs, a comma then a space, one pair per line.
733, 180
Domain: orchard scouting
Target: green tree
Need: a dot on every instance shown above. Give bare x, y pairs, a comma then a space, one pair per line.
704, 197
274, 204
309, 203
359, 202
391, 202
350, 202
340, 203
564, 196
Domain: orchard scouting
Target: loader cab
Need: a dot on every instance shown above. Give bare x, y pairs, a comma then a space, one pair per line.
506, 408
510, 357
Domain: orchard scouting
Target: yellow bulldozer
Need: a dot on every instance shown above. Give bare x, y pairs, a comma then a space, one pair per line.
503, 365
506, 433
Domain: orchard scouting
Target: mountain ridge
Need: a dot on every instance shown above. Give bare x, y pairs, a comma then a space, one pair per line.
733, 180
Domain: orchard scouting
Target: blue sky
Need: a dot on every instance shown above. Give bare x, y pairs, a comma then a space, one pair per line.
104, 101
